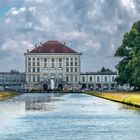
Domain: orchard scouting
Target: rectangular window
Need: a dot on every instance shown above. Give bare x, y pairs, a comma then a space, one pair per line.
90, 78
67, 78
60, 65
52, 62
75, 78
71, 70
38, 69
29, 69
60, 78
34, 79
98, 79
29, 63
45, 59
113, 78
71, 63
29, 79
34, 70
75, 63
71, 78
38, 64
75, 69
37, 59
45, 78
38, 79
29, 59
33, 59
67, 63
33, 63
52, 59
83, 79
67, 69
60, 59
105, 78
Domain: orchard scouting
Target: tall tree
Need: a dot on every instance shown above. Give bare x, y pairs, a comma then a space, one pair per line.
103, 69
129, 52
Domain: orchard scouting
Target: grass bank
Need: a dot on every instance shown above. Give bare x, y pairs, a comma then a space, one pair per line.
129, 98
7, 94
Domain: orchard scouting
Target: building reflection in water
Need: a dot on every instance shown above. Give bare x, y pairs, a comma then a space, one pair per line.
40, 103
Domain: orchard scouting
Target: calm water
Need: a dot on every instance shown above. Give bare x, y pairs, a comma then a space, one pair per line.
66, 117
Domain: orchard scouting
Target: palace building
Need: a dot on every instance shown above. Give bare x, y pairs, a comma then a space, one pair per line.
52, 65
98, 80
12, 81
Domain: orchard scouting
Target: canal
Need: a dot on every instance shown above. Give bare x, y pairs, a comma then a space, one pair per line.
66, 117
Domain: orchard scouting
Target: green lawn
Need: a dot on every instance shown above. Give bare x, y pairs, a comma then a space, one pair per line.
131, 98
5, 94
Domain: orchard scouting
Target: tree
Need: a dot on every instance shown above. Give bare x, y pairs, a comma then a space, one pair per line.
103, 69
129, 52
14, 71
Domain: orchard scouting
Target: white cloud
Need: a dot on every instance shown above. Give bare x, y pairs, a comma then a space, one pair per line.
34, 1
13, 11
74, 35
88, 26
16, 47
92, 44
128, 3
130, 6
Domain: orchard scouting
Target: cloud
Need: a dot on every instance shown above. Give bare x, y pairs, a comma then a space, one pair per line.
16, 47
34, 1
94, 27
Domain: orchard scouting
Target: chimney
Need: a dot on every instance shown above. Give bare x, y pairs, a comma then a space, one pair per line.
35, 46
64, 43
27, 50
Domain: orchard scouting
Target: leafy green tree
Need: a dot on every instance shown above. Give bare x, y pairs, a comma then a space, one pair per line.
129, 52
14, 71
103, 69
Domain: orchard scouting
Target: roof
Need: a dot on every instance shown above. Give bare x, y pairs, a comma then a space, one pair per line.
9, 73
99, 73
52, 47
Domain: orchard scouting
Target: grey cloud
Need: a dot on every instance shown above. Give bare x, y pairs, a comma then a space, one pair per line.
89, 26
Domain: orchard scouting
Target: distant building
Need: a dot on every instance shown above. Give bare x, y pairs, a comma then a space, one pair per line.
52, 65
12, 81
98, 80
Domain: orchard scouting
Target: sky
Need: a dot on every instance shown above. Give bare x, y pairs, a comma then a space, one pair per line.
94, 28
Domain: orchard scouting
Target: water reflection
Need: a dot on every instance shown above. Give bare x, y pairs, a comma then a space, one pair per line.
131, 108
73, 116
41, 102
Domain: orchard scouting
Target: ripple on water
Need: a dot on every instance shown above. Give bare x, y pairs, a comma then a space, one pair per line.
66, 117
